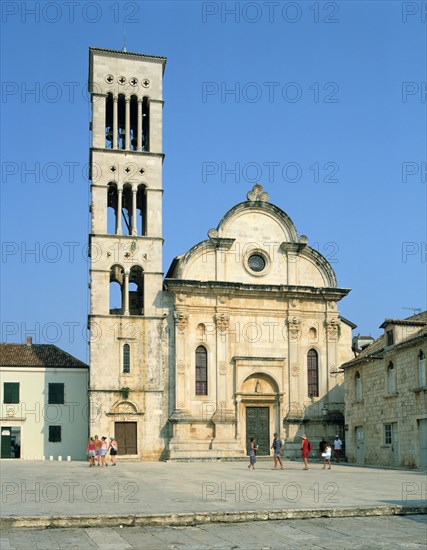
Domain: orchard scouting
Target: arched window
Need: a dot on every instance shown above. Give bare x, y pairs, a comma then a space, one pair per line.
109, 121
422, 369
358, 386
141, 208
133, 130
312, 334
313, 373
201, 371
121, 121
116, 290
126, 358
145, 124
112, 209
127, 209
391, 384
136, 290
201, 332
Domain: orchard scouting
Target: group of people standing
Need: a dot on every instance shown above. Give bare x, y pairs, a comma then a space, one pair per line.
325, 451
97, 450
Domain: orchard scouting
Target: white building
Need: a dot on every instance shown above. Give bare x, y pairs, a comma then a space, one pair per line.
44, 403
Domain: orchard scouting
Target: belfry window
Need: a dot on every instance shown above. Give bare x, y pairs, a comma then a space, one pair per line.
313, 373
109, 109
136, 291
145, 125
116, 290
112, 209
141, 207
201, 371
121, 122
133, 130
127, 209
126, 358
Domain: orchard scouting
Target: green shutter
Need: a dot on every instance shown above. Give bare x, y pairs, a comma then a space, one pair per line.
56, 394
11, 392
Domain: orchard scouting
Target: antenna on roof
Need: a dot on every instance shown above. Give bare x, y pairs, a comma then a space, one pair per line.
124, 41
414, 309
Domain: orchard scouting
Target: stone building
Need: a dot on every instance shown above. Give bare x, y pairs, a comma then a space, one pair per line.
386, 396
243, 336
44, 405
258, 338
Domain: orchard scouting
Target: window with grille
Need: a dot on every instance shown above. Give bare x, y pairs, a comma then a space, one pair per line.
11, 392
201, 371
313, 373
387, 434
126, 358
56, 394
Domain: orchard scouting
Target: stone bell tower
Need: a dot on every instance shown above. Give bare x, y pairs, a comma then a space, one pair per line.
128, 382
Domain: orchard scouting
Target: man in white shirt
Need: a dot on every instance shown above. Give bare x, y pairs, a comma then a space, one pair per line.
337, 448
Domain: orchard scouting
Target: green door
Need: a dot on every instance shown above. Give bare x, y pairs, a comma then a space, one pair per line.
257, 425
6, 442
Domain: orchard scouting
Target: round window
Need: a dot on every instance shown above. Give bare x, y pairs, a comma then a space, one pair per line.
256, 262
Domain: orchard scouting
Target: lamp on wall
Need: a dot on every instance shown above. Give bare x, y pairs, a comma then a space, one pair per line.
325, 409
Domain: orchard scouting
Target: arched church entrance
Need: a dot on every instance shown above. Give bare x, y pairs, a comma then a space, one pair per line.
259, 399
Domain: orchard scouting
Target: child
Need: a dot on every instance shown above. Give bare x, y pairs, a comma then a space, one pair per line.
327, 456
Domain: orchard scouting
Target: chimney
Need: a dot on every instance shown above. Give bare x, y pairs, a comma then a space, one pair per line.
29, 340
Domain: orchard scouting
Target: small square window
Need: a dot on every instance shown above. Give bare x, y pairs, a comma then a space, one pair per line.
54, 434
11, 393
56, 394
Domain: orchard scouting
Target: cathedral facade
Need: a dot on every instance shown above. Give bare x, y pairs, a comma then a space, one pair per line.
242, 337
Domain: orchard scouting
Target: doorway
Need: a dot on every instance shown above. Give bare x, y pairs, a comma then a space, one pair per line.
422, 438
360, 445
126, 436
258, 426
10, 442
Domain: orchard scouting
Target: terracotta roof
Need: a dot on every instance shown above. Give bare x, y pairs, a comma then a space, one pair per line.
37, 355
419, 319
375, 350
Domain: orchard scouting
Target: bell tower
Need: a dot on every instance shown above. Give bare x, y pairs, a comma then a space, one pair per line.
128, 380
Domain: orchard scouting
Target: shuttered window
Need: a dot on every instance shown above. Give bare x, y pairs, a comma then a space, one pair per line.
201, 371
11, 392
56, 394
313, 373
54, 434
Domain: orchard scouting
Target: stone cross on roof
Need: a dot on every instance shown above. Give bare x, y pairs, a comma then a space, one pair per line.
257, 194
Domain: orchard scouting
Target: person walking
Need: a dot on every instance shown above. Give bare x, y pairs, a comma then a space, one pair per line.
327, 456
252, 453
90, 452
103, 451
277, 448
322, 446
98, 445
337, 448
305, 450
113, 450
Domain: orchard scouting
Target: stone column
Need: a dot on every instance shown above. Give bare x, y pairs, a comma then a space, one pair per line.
115, 120
126, 291
134, 228
127, 123
139, 130
119, 212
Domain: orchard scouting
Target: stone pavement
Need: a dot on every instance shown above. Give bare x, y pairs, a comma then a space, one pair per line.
397, 532
68, 494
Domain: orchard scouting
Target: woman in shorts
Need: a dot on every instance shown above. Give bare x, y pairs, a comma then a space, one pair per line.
327, 456
103, 453
113, 450
90, 452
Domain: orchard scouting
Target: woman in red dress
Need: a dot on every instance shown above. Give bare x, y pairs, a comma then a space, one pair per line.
305, 449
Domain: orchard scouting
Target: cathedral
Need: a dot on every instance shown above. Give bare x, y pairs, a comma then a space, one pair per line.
241, 338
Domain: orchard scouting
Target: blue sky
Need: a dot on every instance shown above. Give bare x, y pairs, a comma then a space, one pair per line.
328, 114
